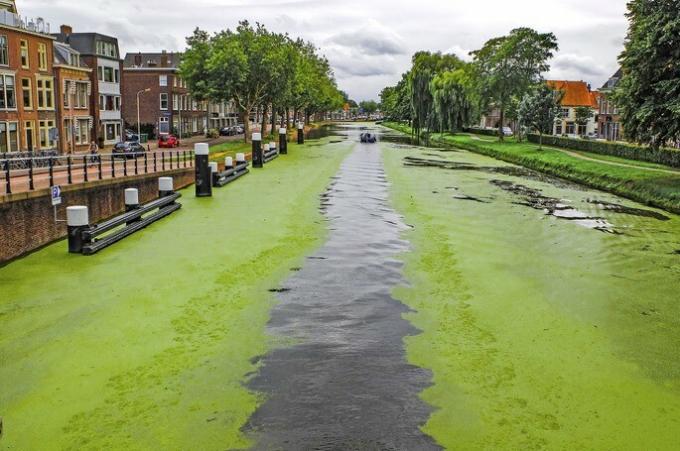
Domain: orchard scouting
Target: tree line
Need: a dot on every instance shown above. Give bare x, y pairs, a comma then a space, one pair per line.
442, 93
259, 70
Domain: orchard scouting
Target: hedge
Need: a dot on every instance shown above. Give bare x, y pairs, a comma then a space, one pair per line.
482, 131
665, 156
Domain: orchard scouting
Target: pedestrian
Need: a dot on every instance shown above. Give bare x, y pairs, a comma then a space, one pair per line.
94, 150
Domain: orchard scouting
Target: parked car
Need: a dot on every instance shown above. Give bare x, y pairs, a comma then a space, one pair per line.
131, 135
168, 142
128, 149
227, 131
507, 131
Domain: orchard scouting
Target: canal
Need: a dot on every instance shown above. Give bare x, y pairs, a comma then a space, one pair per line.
349, 296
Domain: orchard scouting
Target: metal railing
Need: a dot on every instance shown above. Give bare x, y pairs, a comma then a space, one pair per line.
29, 171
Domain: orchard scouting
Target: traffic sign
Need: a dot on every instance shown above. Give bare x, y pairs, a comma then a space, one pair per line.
56, 195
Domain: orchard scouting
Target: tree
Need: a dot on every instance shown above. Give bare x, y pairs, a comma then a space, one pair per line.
648, 94
509, 66
451, 102
369, 106
395, 101
426, 66
539, 110
194, 68
583, 115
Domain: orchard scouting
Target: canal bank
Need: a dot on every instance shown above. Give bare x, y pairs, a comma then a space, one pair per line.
549, 310
650, 184
147, 344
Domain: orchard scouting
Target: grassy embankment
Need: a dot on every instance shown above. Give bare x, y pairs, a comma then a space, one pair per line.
146, 345
654, 188
538, 332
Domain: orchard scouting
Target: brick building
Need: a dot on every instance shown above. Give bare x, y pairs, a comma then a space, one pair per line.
74, 107
168, 104
27, 88
608, 120
101, 54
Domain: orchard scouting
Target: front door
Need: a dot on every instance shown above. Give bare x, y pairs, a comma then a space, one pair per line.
164, 125
28, 130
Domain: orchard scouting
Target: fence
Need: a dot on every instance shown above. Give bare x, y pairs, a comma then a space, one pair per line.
32, 171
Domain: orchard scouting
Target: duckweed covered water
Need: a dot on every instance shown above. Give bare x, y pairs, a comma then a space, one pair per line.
543, 331
147, 344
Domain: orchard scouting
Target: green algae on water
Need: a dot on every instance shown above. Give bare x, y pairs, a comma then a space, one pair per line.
147, 344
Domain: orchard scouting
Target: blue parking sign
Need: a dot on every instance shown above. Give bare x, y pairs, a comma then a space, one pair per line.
56, 195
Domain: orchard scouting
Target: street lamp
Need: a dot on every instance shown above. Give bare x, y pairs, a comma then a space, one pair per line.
139, 125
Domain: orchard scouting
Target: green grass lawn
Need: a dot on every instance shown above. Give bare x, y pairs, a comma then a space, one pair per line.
653, 188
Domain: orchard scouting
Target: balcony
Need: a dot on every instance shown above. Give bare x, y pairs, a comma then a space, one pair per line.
37, 25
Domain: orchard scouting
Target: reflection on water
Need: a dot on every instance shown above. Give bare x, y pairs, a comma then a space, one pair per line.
345, 384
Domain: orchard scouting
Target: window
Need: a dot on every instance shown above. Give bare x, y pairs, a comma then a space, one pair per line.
100, 73
42, 56
111, 131
83, 136
175, 102
3, 137
29, 135
74, 59
4, 52
46, 136
109, 103
82, 95
25, 59
571, 128
164, 101
45, 93
107, 49
558, 129
13, 136
8, 100
27, 93
163, 80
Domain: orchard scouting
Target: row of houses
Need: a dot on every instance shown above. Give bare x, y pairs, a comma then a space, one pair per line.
62, 91
604, 123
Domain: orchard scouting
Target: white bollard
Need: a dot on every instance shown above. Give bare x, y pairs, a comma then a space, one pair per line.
131, 198
165, 186
228, 162
213, 167
240, 158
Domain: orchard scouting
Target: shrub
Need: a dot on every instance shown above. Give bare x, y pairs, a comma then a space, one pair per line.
213, 133
665, 156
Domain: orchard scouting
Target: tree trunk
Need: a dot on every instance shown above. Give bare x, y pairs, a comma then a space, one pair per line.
264, 121
501, 135
540, 140
273, 121
245, 117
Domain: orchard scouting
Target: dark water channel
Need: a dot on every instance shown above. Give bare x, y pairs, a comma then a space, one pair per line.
344, 383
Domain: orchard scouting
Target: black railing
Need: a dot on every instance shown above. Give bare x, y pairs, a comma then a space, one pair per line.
28, 171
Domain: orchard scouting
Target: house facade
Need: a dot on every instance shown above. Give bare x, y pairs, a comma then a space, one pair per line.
575, 94
27, 87
73, 100
167, 104
608, 119
100, 53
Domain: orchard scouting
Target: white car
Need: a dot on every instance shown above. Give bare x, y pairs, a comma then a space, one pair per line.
507, 131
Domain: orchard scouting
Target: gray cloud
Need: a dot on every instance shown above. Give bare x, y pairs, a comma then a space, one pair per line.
369, 43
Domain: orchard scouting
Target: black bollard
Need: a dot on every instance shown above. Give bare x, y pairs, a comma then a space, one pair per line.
203, 175
77, 220
214, 173
165, 187
283, 141
258, 158
301, 133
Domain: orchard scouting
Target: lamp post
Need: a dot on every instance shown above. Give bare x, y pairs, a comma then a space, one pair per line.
139, 125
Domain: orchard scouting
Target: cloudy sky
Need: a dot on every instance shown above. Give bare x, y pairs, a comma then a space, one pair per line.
368, 42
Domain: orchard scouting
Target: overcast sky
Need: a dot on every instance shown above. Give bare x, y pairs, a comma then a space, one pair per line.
368, 42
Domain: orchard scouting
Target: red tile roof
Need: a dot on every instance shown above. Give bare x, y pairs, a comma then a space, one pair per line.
576, 93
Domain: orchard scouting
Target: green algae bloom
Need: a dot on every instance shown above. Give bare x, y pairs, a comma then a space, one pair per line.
541, 333
147, 344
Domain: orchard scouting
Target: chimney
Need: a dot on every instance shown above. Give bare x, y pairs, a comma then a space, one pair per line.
164, 59
66, 30
138, 60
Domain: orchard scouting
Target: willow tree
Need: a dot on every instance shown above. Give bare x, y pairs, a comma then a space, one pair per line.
451, 102
426, 66
508, 67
